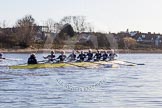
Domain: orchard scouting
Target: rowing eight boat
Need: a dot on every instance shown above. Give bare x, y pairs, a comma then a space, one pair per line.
111, 64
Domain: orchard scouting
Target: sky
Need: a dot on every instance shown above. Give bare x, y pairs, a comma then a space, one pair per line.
104, 15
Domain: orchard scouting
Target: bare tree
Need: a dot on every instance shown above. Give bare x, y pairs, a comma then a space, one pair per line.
89, 27
0, 24
3, 24
27, 21
57, 27
77, 22
53, 26
66, 19
26, 30
129, 42
50, 25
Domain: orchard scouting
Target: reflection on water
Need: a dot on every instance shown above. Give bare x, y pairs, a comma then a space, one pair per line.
124, 87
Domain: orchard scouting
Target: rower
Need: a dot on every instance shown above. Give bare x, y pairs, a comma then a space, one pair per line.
50, 57
1, 56
104, 56
62, 57
32, 59
112, 55
81, 57
97, 56
90, 55
72, 56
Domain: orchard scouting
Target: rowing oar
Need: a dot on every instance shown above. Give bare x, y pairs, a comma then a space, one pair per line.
114, 63
41, 62
76, 65
64, 62
70, 63
125, 64
12, 59
134, 63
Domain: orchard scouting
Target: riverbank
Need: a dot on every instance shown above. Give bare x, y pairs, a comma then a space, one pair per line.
69, 50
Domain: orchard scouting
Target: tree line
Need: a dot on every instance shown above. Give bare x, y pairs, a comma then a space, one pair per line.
24, 31
66, 32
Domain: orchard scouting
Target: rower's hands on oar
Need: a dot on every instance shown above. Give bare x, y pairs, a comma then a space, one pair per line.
43, 61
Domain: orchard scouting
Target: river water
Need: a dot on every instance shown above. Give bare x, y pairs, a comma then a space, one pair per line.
76, 87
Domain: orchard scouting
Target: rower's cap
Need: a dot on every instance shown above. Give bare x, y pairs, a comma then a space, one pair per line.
33, 55
82, 52
62, 52
73, 51
90, 50
52, 51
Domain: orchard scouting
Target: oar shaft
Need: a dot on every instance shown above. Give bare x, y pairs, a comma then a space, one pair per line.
12, 59
76, 65
134, 63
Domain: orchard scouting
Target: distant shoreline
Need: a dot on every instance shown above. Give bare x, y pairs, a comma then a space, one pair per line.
70, 50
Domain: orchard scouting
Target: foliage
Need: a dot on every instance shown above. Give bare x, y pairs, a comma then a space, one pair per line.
129, 42
78, 23
26, 30
67, 33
